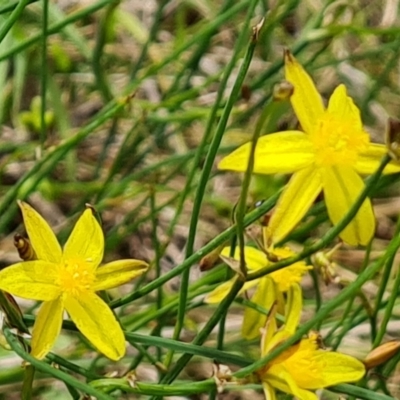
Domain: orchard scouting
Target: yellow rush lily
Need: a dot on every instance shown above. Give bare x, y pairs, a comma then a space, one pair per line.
68, 279
270, 288
329, 155
304, 366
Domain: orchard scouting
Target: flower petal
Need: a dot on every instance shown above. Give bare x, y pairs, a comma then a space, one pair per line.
117, 273
47, 327
342, 185
255, 259
281, 152
337, 368
42, 238
222, 290
86, 240
294, 305
343, 108
306, 100
280, 379
298, 196
33, 280
316, 369
253, 320
95, 320
269, 391
369, 160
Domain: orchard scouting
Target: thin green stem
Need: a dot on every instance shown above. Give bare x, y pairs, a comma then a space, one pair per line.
208, 164
47, 369
10, 21
43, 72
196, 257
97, 66
55, 28
391, 301
29, 375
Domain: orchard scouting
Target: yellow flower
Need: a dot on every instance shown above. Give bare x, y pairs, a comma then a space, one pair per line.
270, 288
68, 279
303, 366
329, 157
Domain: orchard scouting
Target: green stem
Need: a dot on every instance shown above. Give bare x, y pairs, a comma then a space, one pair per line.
203, 334
55, 28
56, 373
29, 375
208, 164
43, 72
196, 257
10, 21
391, 301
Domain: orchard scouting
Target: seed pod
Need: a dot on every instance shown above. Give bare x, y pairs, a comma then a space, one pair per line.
381, 354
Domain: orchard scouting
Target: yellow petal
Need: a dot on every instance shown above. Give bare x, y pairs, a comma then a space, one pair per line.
296, 199
222, 290
306, 100
343, 108
255, 259
294, 305
334, 368
269, 391
253, 320
42, 238
280, 379
47, 327
97, 323
34, 280
86, 240
342, 185
281, 152
369, 160
117, 273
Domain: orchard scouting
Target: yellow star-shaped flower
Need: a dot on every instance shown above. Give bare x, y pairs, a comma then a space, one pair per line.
303, 367
68, 279
329, 155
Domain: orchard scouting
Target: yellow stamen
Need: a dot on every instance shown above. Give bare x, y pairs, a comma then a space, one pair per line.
337, 142
75, 276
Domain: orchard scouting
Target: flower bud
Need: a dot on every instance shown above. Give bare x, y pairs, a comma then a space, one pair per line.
381, 354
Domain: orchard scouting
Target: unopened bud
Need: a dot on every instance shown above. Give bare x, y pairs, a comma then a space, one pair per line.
327, 268
381, 354
282, 91
210, 260
393, 138
24, 248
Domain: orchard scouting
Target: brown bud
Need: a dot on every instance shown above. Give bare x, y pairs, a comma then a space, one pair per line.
24, 248
381, 354
393, 138
210, 260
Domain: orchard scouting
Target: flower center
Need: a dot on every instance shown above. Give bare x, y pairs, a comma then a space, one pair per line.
75, 276
338, 142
